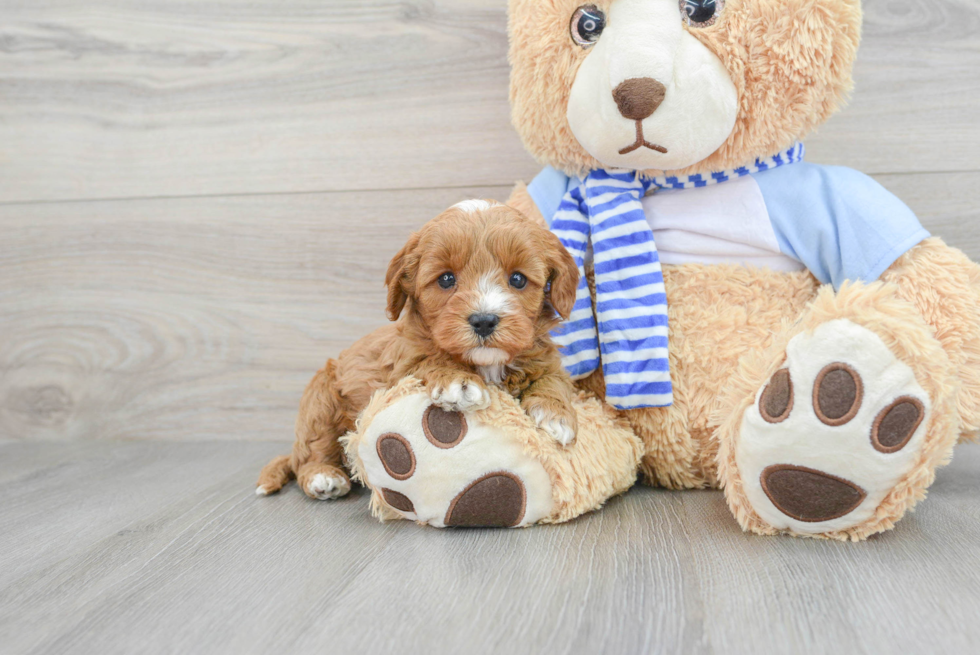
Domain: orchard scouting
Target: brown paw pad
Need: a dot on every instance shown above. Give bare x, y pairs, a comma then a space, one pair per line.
398, 501
443, 429
497, 500
776, 401
396, 456
808, 495
895, 425
837, 394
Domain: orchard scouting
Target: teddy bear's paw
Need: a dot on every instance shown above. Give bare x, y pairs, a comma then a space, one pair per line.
833, 431
446, 468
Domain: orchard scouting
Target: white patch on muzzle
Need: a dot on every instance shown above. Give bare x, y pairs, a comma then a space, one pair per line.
646, 39
491, 297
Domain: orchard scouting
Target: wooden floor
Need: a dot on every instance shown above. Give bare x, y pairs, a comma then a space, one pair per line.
161, 547
197, 204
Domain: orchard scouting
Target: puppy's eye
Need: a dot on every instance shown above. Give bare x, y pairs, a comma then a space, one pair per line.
447, 280
518, 281
587, 25
701, 13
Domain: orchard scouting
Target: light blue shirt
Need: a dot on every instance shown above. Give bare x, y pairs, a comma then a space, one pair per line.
838, 223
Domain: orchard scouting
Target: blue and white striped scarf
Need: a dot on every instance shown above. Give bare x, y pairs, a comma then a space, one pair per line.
630, 340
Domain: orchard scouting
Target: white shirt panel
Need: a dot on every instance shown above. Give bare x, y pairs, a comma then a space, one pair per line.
718, 224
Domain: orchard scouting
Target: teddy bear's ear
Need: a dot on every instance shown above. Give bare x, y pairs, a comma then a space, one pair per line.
401, 274
564, 277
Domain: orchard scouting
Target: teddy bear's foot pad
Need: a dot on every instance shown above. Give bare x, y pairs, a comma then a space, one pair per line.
446, 468
832, 432
496, 500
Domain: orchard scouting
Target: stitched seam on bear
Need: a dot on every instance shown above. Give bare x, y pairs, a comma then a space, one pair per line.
855, 403
384, 462
763, 410
432, 438
769, 470
520, 485
398, 501
875, 440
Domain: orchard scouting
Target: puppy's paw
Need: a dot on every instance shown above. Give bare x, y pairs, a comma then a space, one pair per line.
562, 427
327, 487
460, 396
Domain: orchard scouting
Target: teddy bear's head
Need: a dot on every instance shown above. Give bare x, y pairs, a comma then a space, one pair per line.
686, 86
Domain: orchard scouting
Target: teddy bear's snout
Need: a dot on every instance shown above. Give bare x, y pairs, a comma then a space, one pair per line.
639, 97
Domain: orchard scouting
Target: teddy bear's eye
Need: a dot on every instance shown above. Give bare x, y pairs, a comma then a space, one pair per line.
701, 13
587, 24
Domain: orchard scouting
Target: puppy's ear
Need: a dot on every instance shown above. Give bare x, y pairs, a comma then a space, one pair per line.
401, 273
564, 277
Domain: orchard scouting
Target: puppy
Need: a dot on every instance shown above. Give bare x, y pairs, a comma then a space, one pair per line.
473, 296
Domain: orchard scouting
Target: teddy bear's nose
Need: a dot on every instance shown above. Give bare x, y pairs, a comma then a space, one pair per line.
639, 97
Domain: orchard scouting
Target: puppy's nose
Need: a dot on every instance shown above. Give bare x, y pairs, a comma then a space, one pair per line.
484, 324
639, 97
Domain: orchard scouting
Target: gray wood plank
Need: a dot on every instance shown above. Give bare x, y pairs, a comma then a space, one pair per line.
189, 318
204, 318
198, 564
146, 98
136, 98
917, 91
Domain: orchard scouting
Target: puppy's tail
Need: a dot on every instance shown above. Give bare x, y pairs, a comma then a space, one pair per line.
274, 475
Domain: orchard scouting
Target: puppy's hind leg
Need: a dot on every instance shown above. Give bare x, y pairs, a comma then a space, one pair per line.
324, 416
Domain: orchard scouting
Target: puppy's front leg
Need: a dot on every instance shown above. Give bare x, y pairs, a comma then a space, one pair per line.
453, 389
548, 400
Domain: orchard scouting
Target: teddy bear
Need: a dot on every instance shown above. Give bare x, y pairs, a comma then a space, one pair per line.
784, 331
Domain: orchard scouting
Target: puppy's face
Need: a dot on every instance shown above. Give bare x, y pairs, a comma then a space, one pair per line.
484, 280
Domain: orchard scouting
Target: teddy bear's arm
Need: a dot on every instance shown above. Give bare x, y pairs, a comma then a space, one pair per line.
944, 286
521, 200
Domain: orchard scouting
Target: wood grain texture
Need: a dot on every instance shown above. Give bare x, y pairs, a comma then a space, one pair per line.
169, 551
189, 318
204, 318
135, 98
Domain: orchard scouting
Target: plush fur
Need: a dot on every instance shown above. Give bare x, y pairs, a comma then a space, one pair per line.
731, 327
880, 308
481, 244
790, 61
601, 464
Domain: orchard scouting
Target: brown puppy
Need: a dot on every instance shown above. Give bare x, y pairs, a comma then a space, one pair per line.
473, 294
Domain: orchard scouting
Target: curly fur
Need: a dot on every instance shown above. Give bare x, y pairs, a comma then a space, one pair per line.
790, 62
602, 464
432, 339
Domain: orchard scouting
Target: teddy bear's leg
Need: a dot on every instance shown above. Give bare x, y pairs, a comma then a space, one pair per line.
447, 468
944, 285
489, 468
837, 429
